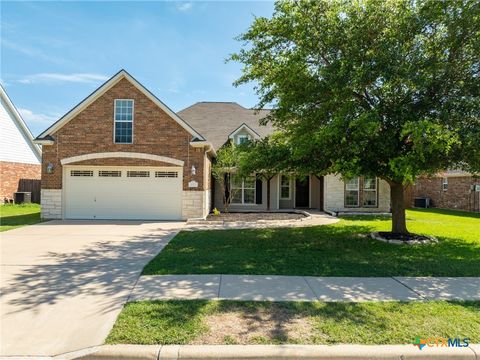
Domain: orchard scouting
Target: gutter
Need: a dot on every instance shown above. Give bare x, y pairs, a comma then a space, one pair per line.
202, 144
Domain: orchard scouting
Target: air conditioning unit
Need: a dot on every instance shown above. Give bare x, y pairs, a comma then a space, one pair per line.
421, 202
22, 197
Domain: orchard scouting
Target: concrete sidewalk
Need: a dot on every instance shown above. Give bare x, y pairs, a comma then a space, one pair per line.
304, 288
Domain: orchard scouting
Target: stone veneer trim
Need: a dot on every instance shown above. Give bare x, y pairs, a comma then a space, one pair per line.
51, 201
194, 204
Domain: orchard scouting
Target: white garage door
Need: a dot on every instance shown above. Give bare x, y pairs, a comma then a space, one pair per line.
123, 193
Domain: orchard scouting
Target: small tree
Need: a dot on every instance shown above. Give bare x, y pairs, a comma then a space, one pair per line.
223, 165
265, 158
375, 88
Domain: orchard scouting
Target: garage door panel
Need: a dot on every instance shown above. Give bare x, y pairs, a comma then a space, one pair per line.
112, 197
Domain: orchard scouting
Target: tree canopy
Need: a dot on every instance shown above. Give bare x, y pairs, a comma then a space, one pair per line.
376, 88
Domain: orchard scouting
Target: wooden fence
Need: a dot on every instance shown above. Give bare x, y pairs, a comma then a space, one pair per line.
31, 185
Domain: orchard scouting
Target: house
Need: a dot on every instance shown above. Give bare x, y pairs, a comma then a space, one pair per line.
19, 157
451, 189
223, 121
123, 154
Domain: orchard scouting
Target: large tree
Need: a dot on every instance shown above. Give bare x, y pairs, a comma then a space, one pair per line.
376, 88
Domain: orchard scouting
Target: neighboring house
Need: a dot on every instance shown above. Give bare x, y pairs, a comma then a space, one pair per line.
19, 157
452, 189
123, 154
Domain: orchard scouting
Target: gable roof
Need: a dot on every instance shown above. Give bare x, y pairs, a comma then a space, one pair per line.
23, 128
244, 127
217, 120
122, 74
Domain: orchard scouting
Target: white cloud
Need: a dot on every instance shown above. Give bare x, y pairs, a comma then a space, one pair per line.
31, 52
184, 6
56, 77
31, 117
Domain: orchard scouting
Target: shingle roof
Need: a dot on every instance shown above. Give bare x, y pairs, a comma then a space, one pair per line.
216, 120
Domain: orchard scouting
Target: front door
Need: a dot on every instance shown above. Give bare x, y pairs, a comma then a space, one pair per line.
302, 192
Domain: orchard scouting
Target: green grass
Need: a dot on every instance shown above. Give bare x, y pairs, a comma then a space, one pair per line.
341, 249
183, 322
13, 216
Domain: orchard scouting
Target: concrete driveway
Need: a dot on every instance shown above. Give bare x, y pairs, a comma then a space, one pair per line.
63, 283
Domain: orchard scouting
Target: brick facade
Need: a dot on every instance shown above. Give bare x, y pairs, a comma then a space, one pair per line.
458, 196
12, 172
154, 132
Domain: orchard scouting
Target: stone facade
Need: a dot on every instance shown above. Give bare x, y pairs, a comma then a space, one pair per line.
459, 194
12, 172
194, 204
334, 198
154, 132
51, 204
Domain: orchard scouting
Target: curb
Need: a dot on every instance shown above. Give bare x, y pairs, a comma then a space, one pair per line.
254, 352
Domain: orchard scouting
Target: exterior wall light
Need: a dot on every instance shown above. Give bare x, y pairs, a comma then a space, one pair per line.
194, 170
50, 168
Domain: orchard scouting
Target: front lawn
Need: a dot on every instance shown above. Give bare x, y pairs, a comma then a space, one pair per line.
341, 249
231, 322
13, 216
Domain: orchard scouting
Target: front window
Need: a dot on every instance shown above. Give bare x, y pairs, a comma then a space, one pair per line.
352, 192
123, 115
445, 184
369, 192
242, 190
285, 193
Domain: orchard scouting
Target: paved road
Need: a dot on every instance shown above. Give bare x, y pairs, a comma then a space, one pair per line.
305, 288
64, 283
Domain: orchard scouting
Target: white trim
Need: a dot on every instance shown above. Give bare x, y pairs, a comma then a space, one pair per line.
309, 191
120, 154
254, 134
202, 144
115, 119
242, 190
122, 74
364, 190
44, 142
278, 191
289, 188
23, 126
444, 182
358, 194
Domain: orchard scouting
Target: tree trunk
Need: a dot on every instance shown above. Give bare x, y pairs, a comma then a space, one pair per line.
399, 224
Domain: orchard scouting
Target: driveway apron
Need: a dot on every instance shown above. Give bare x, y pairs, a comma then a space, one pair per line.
63, 283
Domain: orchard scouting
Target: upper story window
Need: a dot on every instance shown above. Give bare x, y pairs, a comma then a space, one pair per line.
445, 184
285, 189
241, 139
123, 116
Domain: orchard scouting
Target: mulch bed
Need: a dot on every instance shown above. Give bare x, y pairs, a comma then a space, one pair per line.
399, 238
254, 216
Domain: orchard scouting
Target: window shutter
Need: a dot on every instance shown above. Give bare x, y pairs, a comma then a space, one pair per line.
226, 178
258, 190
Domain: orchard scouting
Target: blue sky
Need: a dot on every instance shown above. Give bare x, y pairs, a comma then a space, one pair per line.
53, 54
